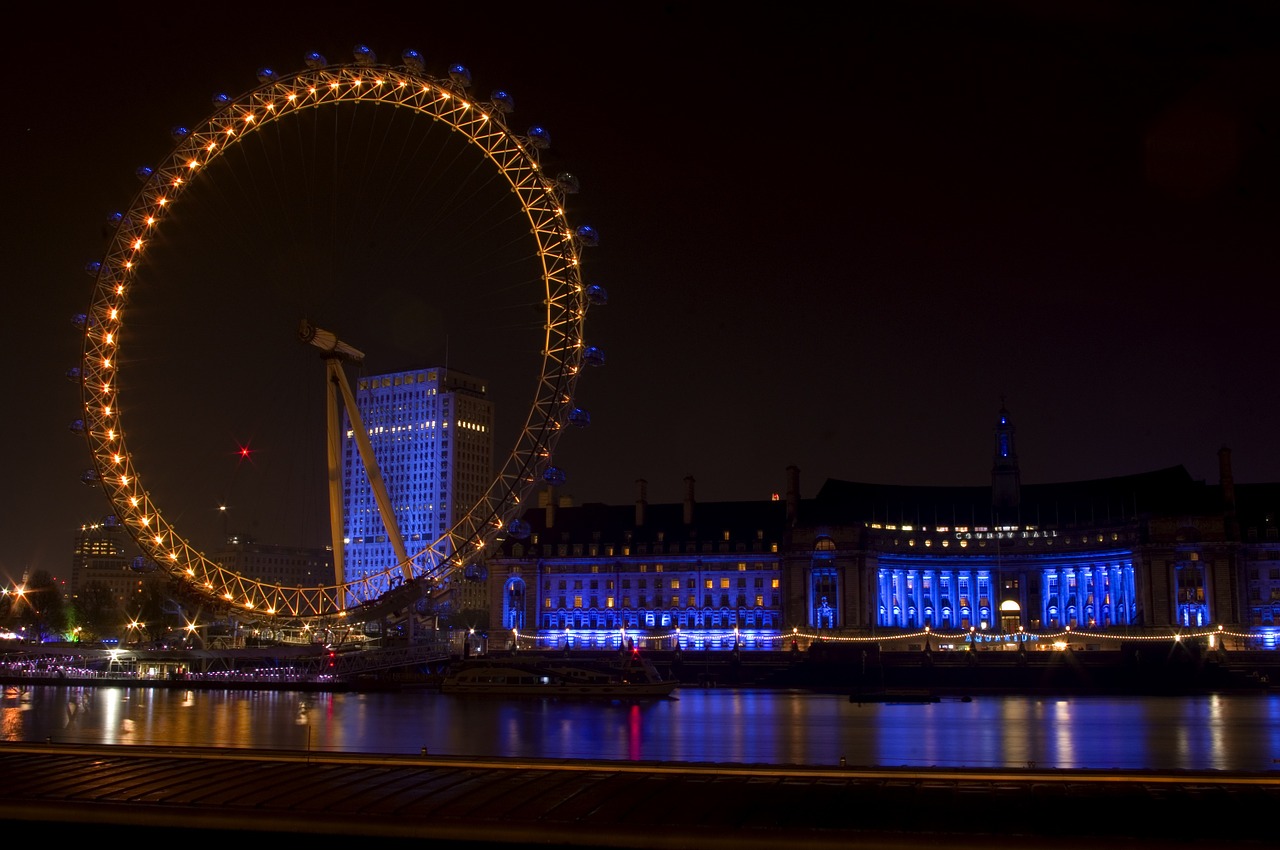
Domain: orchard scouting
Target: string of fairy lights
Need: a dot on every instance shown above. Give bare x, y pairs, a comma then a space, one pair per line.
1060, 638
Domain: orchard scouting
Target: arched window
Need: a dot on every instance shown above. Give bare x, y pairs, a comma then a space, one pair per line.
823, 592
513, 613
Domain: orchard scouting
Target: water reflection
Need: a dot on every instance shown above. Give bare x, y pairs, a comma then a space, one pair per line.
700, 725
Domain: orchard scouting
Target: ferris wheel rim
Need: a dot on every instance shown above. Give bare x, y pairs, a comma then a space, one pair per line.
559, 246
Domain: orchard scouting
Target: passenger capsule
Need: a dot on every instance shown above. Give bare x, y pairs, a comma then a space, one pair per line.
363, 55
593, 356
144, 173
460, 75
587, 236
221, 99
73, 374
539, 137
111, 521
77, 426
143, 565
179, 134
92, 268
519, 529
89, 476
567, 182
315, 61
414, 61
597, 295
504, 101
579, 417
82, 321
114, 219
554, 476
267, 75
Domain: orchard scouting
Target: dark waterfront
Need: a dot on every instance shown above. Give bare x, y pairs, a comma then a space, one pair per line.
1234, 732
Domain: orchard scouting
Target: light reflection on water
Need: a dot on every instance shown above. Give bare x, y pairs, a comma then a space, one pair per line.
698, 725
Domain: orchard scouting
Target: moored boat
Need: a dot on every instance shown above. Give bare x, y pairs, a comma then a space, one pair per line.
627, 676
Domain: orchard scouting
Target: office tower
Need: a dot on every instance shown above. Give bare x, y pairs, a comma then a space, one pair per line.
287, 566
100, 555
432, 435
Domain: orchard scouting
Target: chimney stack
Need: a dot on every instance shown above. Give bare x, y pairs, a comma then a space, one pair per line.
1225, 478
1227, 481
688, 500
642, 501
551, 506
793, 494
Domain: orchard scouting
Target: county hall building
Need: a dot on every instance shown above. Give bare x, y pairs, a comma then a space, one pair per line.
1154, 552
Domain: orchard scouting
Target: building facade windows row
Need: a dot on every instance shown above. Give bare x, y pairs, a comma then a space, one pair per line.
1174, 557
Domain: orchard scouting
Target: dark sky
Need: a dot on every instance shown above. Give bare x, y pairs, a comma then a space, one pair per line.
832, 237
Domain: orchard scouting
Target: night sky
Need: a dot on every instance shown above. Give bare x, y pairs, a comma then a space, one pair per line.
835, 239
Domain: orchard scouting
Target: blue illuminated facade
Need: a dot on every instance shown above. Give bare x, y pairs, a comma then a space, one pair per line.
1096, 590
698, 576
431, 432
1117, 556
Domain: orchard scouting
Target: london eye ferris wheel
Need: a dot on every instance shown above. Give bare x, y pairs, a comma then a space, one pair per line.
551, 279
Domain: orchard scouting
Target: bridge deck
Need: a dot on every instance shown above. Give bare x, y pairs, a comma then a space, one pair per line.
139, 792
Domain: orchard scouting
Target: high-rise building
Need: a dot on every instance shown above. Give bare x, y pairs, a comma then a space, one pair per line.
105, 555
287, 566
99, 553
431, 431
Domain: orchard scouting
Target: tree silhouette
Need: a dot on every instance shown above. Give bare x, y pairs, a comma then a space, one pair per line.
154, 611
37, 606
97, 612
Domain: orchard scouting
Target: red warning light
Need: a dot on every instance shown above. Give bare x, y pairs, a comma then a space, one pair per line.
243, 451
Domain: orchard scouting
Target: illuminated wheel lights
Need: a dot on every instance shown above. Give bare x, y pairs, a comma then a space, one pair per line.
564, 296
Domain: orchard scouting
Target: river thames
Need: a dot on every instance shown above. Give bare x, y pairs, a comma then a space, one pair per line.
730, 725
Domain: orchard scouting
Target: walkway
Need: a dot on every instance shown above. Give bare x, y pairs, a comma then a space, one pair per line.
145, 794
